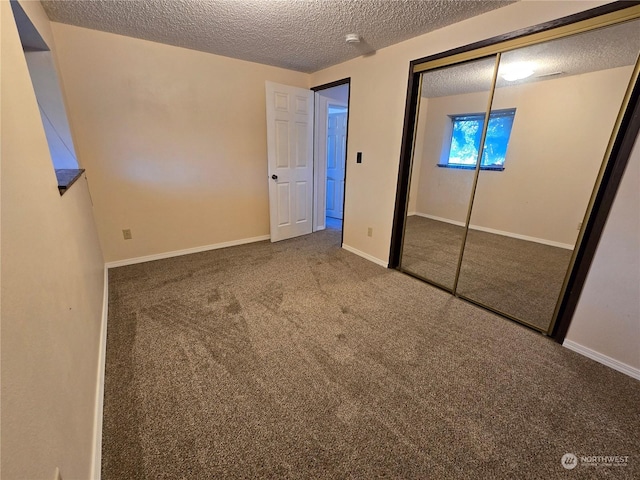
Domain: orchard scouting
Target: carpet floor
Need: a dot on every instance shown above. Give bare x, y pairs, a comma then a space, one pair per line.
517, 277
301, 360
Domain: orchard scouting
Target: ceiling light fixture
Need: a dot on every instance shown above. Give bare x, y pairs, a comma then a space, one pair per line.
516, 71
352, 38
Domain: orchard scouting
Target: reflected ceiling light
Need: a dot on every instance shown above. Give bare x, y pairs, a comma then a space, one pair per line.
516, 71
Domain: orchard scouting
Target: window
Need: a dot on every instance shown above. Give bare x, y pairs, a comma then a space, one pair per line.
44, 79
466, 132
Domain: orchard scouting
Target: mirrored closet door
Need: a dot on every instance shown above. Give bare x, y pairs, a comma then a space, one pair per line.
507, 152
450, 123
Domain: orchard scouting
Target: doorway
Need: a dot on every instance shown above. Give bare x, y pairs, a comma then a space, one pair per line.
307, 132
330, 150
336, 156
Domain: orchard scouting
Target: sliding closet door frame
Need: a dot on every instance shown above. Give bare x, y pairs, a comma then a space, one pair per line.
412, 152
618, 151
404, 171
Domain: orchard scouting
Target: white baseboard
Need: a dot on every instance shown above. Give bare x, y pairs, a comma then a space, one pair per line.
544, 241
440, 219
96, 467
187, 251
479, 228
603, 359
360, 253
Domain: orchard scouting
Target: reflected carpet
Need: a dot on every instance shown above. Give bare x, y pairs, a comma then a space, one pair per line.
517, 277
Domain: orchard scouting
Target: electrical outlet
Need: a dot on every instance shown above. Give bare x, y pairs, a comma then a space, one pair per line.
57, 474
127, 234
369, 232
579, 225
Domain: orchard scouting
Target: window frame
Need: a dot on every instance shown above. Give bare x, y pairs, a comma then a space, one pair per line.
480, 116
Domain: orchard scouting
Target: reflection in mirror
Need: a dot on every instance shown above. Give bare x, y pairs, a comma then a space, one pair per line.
526, 218
448, 133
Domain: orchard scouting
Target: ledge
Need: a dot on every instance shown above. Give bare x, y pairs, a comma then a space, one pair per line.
67, 177
496, 168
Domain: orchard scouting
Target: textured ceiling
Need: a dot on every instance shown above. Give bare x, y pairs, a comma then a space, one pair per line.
303, 35
600, 49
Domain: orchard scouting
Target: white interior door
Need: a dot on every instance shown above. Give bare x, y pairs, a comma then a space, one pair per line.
336, 145
290, 158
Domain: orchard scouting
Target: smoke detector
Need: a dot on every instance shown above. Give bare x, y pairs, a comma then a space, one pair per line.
352, 38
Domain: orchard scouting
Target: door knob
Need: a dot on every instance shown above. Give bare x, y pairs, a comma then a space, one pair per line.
274, 176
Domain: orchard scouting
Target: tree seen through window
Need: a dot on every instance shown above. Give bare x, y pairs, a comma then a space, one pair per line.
466, 134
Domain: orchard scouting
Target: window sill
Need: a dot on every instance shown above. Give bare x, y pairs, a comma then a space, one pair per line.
497, 168
67, 177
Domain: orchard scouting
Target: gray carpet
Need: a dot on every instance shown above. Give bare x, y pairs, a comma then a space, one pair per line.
301, 360
517, 277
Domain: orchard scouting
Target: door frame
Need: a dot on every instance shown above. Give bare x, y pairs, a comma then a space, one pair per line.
320, 174
602, 201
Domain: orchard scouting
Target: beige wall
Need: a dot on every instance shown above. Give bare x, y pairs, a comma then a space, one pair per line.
442, 192
173, 140
545, 188
51, 291
378, 93
607, 319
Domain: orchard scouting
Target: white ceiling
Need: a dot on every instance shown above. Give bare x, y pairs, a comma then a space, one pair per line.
303, 35
601, 49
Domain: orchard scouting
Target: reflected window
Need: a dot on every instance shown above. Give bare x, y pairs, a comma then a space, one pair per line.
466, 132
